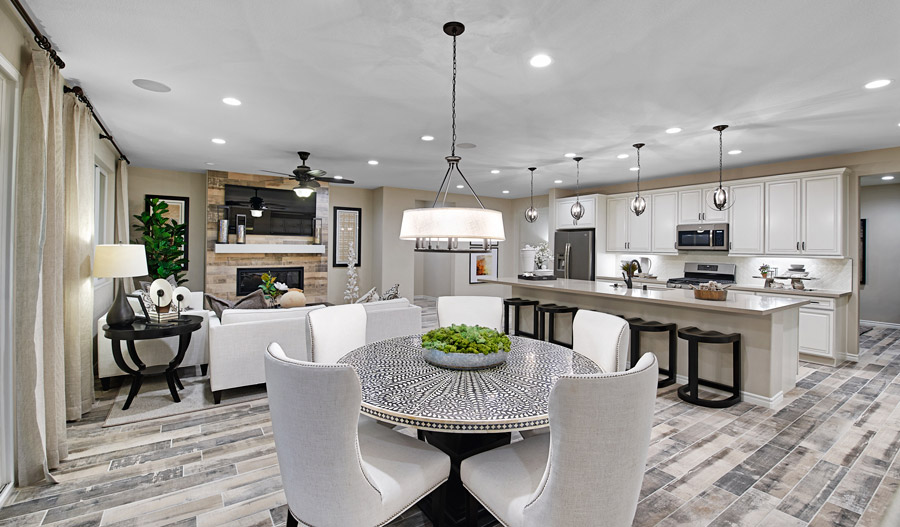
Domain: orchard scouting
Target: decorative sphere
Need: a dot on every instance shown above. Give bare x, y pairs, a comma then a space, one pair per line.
577, 210
531, 215
720, 198
293, 298
638, 205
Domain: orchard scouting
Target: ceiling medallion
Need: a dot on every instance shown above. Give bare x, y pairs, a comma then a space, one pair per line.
429, 226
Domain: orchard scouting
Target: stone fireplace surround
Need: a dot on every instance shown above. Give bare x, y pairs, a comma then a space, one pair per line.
221, 269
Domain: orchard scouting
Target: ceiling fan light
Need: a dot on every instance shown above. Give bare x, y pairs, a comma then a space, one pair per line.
452, 222
256, 213
303, 192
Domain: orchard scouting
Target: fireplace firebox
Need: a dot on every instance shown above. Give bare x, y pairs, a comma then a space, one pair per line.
249, 279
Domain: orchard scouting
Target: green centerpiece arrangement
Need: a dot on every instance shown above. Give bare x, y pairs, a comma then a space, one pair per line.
462, 347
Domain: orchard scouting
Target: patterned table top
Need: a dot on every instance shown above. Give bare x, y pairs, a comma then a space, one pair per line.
398, 386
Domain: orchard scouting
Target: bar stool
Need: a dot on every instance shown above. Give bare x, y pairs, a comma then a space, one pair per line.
552, 310
689, 392
518, 304
639, 325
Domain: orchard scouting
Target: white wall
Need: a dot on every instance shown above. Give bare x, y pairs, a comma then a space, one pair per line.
879, 298
344, 196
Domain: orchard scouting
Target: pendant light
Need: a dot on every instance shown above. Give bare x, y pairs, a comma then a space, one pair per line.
427, 226
720, 197
531, 214
577, 209
638, 204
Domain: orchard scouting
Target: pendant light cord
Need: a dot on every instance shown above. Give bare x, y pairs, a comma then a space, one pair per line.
453, 103
720, 157
532, 189
577, 178
639, 172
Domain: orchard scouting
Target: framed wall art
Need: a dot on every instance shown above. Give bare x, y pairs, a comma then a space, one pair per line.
483, 266
347, 227
179, 210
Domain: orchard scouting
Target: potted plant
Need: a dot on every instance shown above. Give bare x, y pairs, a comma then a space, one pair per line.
462, 347
271, 288
163, 240
764, 270
542, 256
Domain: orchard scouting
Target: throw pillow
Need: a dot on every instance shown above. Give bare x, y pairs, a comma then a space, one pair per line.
217, 304
392, 293
255, 300
371, 296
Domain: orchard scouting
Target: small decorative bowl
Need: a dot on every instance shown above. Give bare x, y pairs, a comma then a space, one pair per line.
463, 361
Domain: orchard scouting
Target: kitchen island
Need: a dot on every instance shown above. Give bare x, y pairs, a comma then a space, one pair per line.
768, 325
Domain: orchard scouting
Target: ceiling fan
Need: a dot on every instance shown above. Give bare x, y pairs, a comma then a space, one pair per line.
308, 178
256, 204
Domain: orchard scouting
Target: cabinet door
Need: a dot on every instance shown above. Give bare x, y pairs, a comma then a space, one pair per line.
590, 213
564, 219
616, 224
822, 217
689, 202
783, 217
747, 219
663, 223
639, 228
710, 214
816, 328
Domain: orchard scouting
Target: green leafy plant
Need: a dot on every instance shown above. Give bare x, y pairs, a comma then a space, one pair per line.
630, 268
764, 269
270, 287
163, 240
466, 339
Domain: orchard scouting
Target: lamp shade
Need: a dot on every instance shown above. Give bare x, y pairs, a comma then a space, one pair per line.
120, 261
452, 222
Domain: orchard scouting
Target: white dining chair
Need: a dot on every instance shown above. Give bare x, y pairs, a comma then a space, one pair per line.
588, 470
486, 311
335, 331
336, 468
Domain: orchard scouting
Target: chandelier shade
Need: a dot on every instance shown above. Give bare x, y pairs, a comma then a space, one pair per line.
452, 222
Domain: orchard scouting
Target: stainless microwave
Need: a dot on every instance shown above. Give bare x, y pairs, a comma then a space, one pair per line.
702, 237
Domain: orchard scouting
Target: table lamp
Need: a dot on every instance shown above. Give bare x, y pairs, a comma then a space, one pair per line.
120, 261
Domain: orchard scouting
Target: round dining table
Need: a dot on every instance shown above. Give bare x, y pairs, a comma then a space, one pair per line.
463, 413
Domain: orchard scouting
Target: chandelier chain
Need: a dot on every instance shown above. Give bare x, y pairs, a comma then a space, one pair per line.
532, 189
720, 157
639, 172
577, 178
453, 103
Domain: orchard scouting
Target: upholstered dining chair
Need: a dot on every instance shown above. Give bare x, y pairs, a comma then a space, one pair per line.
588, 470
338, 469
486, 311
335, 331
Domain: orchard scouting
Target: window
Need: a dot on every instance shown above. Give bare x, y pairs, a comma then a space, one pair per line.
102, 212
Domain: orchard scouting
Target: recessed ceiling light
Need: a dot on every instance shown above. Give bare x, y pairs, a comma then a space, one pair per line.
734, 152
150, 85
557, 181
571, 154
540, 60
231, 101
218, 141
887, 178
634, 169
210, 164
880, 83
506, 192
427, 138
673, 130
495, 171
460, 186
373, 162
622, 156
338, 177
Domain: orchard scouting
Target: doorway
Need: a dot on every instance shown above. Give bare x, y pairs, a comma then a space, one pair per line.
879, 212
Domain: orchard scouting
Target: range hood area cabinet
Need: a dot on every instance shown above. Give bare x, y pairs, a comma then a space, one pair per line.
626, 232
805, 215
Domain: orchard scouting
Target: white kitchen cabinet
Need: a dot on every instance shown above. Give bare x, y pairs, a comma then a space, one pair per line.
663, 231
711, 214
694, 206
747, 219
639, 228
783, 216
822, 221
564, 219
817, 331
617, 224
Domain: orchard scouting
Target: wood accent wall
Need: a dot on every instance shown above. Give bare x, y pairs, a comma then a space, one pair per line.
222, 268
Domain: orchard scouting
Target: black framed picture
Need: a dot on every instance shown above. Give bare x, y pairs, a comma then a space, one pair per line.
179, 210
347, 228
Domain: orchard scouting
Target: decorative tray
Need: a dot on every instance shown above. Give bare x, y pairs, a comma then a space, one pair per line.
536, 277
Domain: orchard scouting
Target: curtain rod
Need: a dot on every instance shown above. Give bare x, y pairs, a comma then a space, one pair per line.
44, 43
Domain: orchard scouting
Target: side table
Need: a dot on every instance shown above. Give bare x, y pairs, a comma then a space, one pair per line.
141, 330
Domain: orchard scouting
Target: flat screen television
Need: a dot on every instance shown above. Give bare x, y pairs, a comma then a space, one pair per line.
286, 214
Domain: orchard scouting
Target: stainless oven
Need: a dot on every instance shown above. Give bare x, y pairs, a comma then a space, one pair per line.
702, 237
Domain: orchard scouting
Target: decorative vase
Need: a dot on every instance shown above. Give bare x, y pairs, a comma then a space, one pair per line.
293, 298
463, 361
527, 260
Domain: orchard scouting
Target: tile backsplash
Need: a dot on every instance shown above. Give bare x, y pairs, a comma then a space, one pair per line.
831, 273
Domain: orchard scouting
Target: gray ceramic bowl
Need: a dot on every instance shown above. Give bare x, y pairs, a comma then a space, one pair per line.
463, 361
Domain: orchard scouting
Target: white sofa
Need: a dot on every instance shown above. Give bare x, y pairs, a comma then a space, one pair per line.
237, 342
157, 351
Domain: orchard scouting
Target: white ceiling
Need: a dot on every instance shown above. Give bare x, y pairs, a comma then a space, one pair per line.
353, 80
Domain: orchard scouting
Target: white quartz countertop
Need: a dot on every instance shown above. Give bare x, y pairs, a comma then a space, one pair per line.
756, 288
737, 302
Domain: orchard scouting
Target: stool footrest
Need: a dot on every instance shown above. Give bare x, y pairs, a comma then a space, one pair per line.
685, 395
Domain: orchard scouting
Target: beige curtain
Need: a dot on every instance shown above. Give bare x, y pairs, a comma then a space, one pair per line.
123, 220
40, 378
78, 288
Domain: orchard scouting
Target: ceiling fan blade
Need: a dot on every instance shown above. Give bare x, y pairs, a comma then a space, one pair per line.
279, 173
316, 173
333, 180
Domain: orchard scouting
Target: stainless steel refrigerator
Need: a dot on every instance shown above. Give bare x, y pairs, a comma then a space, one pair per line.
574, 256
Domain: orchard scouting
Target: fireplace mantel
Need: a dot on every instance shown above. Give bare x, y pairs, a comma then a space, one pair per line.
268, 248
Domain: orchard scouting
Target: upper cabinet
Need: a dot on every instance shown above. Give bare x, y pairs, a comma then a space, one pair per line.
616, 224
694, 206
663, 232
564, 219
805, 215
747, 219
783, 217
626, 232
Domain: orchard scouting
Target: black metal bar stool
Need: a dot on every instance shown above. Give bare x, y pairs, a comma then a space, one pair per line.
639, 325
689, 392
518, 304
546, 333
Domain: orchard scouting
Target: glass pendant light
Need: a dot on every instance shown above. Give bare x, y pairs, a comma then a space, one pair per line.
720, 197
638, 204
427, 226
531, 214
577, 209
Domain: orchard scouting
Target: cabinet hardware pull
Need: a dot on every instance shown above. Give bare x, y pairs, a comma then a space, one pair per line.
804, 245
798, 246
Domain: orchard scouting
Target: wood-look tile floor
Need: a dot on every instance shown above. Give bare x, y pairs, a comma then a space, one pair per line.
827, 457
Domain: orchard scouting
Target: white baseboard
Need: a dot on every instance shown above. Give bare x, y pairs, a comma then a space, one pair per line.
875, 323
747, 397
